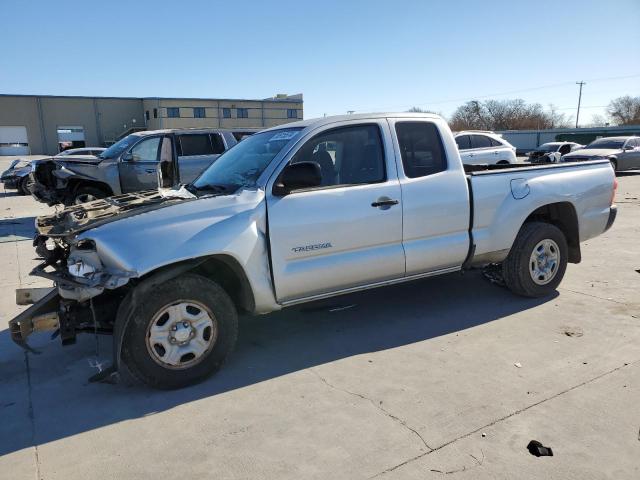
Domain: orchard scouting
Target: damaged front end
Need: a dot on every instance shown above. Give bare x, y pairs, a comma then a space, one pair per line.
86, 293
52, 181
71, 306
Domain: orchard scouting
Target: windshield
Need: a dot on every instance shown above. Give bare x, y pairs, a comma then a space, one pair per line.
119, 147
606, 143
242, 165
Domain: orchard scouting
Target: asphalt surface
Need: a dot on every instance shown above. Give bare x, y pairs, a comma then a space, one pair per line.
447, 376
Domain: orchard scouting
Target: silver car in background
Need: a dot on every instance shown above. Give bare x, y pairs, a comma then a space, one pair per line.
622, 152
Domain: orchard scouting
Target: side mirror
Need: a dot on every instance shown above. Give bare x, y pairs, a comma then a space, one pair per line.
296, 176
127, 157
628, 147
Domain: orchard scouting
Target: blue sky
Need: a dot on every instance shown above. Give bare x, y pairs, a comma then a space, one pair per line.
342, 55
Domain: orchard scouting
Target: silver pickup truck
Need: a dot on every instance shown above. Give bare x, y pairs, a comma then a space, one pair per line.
297, 213
129, 165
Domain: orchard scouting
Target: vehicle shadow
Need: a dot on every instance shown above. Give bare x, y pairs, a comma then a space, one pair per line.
22, 228
11, 193
55, 401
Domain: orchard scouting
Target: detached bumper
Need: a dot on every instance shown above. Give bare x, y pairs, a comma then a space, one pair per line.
41, 316
613, 212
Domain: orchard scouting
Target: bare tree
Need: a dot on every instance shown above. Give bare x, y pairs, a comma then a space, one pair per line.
505, 115
598, 120
625, 110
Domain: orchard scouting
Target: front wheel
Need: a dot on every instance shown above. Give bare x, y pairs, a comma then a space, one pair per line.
87, 194
180, 332
537, 260
23, 186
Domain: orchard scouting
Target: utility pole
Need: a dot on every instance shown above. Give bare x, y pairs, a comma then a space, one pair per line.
581, 83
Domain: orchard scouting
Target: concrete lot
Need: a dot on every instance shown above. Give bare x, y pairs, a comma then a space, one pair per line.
412, 381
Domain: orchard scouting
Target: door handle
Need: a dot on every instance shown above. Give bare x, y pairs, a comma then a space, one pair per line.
384, 202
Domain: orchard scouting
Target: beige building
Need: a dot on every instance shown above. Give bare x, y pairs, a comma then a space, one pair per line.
32, 124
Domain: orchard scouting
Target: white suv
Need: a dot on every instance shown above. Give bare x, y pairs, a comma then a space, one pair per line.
479, 147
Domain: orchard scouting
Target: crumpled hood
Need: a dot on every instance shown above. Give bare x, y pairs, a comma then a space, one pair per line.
180, 230
76, 159
594, 152
78, 218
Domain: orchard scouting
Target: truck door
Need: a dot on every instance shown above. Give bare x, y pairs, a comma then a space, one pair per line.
138, 167
347, 232
435, 198
196, 151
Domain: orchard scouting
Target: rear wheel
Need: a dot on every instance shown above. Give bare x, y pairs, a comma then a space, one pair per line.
180, 333
537, 260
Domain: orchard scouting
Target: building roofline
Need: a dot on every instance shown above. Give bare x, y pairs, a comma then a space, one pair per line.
291, 99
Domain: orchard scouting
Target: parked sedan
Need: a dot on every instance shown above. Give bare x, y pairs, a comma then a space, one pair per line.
551, 152
622, 152
480, 147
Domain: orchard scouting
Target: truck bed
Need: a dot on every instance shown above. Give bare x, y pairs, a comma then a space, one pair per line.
503, 198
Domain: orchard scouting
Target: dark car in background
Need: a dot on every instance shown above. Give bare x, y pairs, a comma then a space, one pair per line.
552, 151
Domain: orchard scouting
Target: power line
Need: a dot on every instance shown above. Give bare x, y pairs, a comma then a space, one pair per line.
479, 97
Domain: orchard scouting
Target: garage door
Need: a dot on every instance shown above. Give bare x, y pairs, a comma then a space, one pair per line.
13, 141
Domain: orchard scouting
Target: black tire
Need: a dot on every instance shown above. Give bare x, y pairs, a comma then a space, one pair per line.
516, 267
188, 287
86, 193
614, 165
22, 186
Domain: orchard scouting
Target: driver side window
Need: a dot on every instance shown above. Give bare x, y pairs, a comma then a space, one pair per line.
146, 150
346, 155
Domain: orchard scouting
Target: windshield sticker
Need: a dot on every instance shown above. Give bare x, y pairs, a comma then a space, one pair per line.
286, 135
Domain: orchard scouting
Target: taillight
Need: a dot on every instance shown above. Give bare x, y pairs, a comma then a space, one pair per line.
615, 188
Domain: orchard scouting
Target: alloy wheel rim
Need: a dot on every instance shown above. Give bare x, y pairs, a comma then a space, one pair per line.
544, 262
181, 334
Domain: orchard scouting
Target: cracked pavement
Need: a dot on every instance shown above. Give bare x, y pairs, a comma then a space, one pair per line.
414, 381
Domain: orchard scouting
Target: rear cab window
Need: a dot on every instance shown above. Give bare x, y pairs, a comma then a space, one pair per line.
421, 149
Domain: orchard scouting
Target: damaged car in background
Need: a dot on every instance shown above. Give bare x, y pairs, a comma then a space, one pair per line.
294, 214
130, 165
552, 152
17, 175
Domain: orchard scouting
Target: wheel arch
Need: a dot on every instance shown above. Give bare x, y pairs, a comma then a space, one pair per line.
76, 183
221, 268
563, 215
